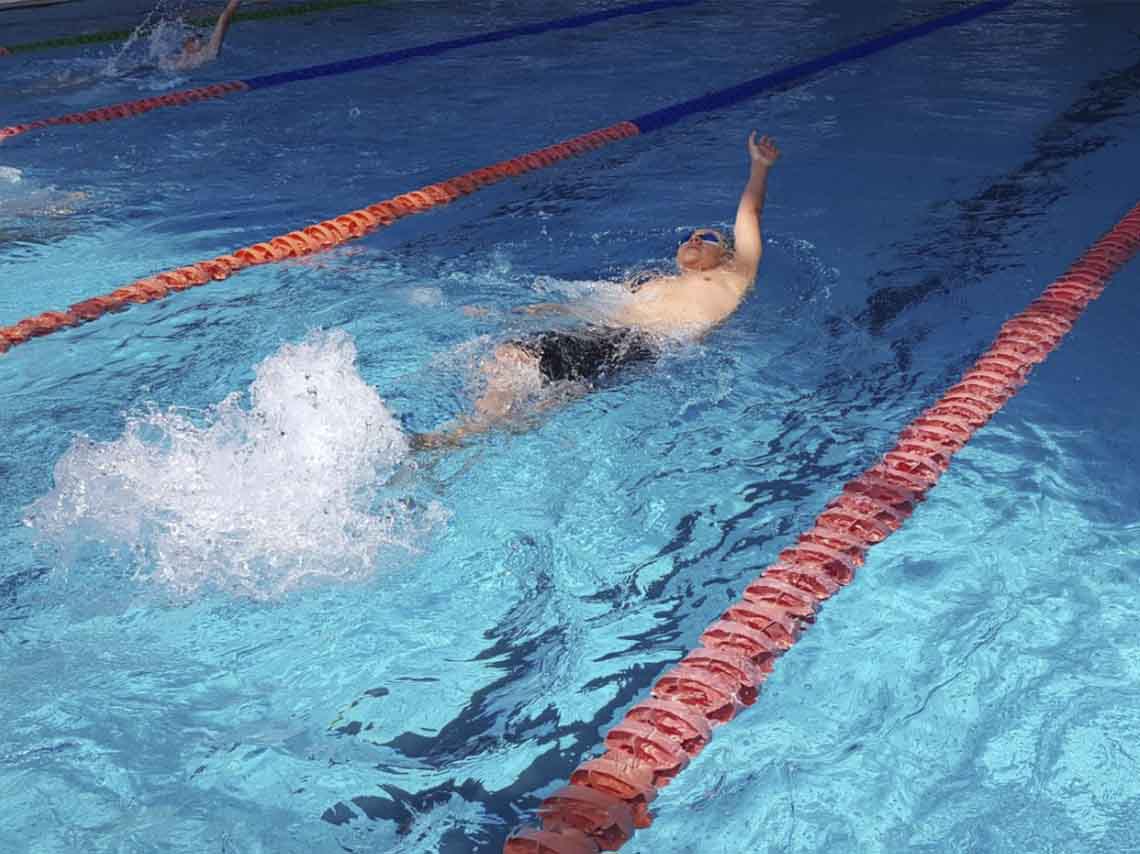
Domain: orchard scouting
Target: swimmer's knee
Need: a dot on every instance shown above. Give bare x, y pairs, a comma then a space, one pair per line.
508, 360
513, 354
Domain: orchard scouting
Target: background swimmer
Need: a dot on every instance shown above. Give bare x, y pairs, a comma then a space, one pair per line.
33, 214
195, 51
17, 199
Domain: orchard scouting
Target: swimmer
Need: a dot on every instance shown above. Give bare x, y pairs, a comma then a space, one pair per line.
18, 201
195, 51
712, 280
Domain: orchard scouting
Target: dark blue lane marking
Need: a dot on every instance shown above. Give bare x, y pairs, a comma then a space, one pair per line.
378, 59
742, 91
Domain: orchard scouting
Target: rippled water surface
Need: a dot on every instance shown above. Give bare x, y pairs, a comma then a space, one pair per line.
238, 615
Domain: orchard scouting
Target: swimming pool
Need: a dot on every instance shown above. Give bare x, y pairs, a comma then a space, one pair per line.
411, 667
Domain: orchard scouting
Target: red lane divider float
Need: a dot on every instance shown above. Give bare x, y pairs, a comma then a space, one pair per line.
130, 108
305, 241
608, 796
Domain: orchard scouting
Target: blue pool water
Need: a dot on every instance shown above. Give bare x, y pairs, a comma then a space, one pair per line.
236, 616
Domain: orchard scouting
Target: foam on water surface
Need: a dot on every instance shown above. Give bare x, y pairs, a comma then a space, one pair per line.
276, 488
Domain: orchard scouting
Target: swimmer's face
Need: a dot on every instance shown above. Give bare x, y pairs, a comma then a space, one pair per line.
192, 45
705, 249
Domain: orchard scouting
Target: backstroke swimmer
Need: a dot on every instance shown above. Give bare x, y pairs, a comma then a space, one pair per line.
713, 279
195, 51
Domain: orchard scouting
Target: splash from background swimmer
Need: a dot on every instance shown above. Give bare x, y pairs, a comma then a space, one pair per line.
258, 500
155, 41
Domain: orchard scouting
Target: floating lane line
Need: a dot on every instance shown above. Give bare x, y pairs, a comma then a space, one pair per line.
306, 241
608, 796
341, 229
128, 109
750, 88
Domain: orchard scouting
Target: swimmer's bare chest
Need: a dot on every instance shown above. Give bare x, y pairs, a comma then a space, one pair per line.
690, 302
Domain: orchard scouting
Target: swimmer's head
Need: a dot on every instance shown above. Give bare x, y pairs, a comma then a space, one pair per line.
705, 249
192, 44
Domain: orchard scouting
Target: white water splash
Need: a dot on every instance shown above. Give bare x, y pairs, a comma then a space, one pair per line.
257, 499
157, 40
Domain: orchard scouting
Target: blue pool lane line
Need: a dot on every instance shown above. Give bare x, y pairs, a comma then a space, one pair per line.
392, 57
645, 123
750, 88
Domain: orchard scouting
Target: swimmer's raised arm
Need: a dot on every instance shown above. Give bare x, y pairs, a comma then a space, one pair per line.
746, 231
194, 53
215, 45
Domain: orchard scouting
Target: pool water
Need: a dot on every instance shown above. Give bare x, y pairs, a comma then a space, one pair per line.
237, 615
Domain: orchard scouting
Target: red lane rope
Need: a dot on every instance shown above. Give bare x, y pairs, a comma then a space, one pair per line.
130, 108
313, 238
608, 796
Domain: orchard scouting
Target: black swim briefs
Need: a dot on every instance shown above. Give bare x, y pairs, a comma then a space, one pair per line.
591, 353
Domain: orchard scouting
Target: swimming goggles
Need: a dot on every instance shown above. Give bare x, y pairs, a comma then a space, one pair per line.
708, 235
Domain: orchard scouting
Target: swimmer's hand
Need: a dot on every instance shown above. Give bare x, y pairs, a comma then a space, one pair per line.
438, 441
539, 309
449, 438
763, 153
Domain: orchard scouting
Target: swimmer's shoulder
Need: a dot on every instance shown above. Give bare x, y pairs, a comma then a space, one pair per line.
730, 278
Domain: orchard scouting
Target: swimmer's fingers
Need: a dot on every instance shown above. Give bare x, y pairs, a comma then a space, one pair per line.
771, 151
753, 145
764, 151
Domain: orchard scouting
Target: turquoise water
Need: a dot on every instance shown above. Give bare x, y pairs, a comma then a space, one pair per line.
235, 616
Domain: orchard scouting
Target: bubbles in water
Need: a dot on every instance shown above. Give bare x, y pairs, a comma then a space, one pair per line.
11, 175
425, 296
258, 499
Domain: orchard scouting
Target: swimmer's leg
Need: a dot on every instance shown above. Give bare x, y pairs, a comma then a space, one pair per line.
512, 375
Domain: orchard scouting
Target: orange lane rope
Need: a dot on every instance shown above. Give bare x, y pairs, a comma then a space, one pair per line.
130, 108
306, 241
608, 796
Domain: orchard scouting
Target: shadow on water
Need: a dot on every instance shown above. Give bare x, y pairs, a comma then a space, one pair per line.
964, 243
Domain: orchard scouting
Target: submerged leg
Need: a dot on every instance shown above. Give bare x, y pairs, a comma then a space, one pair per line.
511, 376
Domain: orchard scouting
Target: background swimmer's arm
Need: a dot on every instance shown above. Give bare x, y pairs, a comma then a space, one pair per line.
215, 45
746, 231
